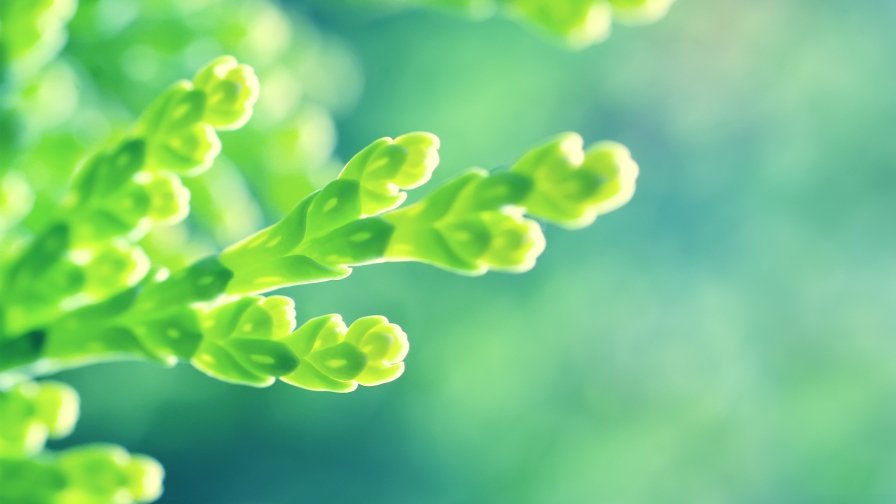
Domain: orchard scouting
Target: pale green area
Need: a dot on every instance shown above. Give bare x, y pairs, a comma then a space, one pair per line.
726, 337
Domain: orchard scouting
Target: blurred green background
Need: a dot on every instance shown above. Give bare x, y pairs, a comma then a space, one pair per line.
727, 337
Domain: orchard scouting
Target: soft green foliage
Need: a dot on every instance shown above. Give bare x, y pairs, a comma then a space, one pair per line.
253, 340
82, 290
32, 31
578, 23
208, 314
97, 474
30, 413
87, 275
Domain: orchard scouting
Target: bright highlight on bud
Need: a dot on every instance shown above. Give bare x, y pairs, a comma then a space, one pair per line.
82, 290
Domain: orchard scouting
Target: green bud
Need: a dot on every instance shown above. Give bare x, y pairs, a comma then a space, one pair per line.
32, 412
387, 167
470, 225
145, 477
385, 346
30, 481
578, 22
108, 473
58, 406
113, 267
168, 198
514, 242
177, 137
231, 92
635, 12
571, 187
240, 340
188, 151
336, 358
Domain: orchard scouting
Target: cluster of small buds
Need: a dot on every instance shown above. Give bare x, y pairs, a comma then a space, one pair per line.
31, 413
254, 341
84, 291
387, 167
337, 358
95, 474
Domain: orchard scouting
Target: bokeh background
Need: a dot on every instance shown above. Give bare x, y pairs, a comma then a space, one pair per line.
727, 337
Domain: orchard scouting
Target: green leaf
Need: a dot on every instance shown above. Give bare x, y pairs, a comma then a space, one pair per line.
32, 412
21, 350
180, 107
45, 251
577, 22
637, 12
171, 336
263, 356
358, 242
337, 204
220, 363
108, 473
202, 281
282, 272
